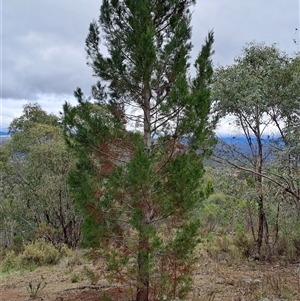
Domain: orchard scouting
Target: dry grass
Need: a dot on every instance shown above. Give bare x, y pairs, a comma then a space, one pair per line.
245, 281
218, 276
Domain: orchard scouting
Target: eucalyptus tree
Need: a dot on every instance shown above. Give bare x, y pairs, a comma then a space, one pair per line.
286, 117
260, 91
140, 145
36, 168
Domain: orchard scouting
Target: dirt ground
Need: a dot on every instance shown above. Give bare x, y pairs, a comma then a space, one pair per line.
215, 280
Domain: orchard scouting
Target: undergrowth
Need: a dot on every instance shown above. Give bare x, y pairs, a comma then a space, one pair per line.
34, 254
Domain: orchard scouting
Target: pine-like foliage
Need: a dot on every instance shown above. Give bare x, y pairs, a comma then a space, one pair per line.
141, 143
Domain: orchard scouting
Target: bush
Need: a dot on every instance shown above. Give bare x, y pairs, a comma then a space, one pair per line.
221, 248
65, 251
74, 278
9, 262
91, 275
39, 253
244, 243
35, 254
286, 247
17, 244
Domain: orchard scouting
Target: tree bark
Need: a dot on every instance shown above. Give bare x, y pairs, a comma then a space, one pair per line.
263, 230
143, 268
143, 274
147, 120
260, 233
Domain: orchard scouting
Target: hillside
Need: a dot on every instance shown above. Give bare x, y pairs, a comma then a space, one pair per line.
218, 278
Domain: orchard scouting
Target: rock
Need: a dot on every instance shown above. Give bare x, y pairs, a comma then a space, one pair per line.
220, 281
250, 282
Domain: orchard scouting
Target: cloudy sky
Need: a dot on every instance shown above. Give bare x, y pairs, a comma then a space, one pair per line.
42, 43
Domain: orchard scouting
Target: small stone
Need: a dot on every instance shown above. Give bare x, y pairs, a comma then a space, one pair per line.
249, 281
220, 281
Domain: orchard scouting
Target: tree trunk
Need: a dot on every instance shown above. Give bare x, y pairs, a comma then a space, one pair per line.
260, 233
143, 248
263, 231
267, 240
143, 274
259, 189
143, 269
147, 120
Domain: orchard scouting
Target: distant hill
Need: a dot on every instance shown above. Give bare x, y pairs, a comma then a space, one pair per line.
4, 133
4, 137
240, 143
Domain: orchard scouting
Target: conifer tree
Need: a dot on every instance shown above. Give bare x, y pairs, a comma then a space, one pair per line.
141, 143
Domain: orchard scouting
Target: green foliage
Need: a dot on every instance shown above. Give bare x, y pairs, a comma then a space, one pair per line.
220, 247
65, 251
251, 82
32, 115
213, 212
9, 262
35, 164
91, 275
139, 189
37, 253
105, 297
286, 248
244, 243
209, 188
74, 278
227, 209
259, 91
232, 209
18, 244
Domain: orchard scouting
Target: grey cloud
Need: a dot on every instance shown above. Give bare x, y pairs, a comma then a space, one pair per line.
236, 23
38, 64
43, 47
43, 57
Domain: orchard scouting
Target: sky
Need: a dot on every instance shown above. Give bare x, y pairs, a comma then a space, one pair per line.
42, 56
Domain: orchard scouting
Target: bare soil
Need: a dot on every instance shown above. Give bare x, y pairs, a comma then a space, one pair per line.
215, 280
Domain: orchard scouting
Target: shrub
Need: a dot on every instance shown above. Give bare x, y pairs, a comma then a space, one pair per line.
65, 251
286, 247
72, 259
74, 278
244, 244
91, 275
9, 262
221, 248
17, 244
39, 253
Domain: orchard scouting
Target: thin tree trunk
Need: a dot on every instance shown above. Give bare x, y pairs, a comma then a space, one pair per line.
251, 222
267, 240
143, 269
147, 120
143, 275
263, 230
260, 233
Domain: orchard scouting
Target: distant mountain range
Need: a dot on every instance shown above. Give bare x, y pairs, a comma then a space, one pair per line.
240, 144
4, 133
4, 137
